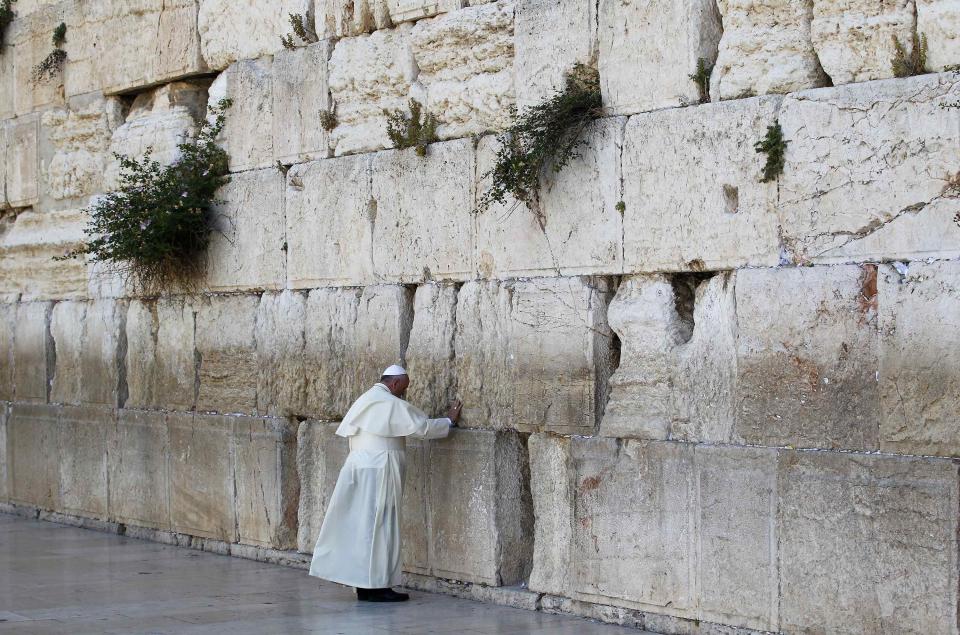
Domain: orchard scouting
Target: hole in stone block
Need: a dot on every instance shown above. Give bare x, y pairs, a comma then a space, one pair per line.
731, 199
685, 298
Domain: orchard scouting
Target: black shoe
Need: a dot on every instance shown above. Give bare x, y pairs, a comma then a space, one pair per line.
381, 595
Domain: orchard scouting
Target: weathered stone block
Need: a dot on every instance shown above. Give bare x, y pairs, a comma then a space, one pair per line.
28, 42
345, 18
8, 321
33, 352
411, 10
807, 362
551, 36
430, 351
939, 21
920, 359
300, 96
649, 49
886, 145
66, 330
102, 352
722, 217
267, 482
330, 214
139, 478
370, 74
765, 48
160, 359
555, 239
246, 248
246, 133
33, 466
351, 336
854, 38
201, 476
4, 461
320, 455
465, 62
83, 434
23, 161
533, 354
7, 109
867, 543
28, 249
226, 346
231, 31
476, 510
423, 224
281, 378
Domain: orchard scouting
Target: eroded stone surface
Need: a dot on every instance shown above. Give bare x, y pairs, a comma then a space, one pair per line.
8, 319
22, 161
226, 345
33, 467
860, 538
320, 455
29, 249
766, 48
160, 360
300, 96
83, 434
889, 147
281, 380
4, 460
32, 352
410, 10
854, 38
246, 133
344, 18
430, 351
533, 354
231, 31
28, 43
637, 71
919, 363
138, 475
939, 21
722, 217
465, 62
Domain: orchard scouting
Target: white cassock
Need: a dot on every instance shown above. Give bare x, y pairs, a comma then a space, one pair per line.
359, 542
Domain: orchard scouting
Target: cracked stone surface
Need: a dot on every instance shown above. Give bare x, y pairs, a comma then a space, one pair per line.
231, 31
939, 21
90, 342
160, 360
226, 346
28, 249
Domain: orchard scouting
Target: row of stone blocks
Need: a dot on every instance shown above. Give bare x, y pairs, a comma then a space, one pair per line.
866, 178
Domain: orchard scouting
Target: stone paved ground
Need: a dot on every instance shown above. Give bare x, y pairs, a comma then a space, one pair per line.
57, 580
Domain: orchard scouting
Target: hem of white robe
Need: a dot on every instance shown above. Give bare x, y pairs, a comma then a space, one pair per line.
394, 581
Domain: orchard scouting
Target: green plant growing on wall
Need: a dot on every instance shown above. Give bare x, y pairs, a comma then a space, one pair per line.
702, 79
915, 63
52, 63
775, 147
155, 228
416, 130
328, 120
6, 17
546, 134
300, 30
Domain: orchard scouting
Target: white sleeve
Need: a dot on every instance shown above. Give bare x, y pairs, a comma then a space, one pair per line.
433, 429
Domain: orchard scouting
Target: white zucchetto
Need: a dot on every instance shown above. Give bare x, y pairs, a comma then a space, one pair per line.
393, 371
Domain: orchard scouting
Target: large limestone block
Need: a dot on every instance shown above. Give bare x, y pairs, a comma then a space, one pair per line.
412, 10
4, 462
431, 352
32, 459
475, 508
29, 249
807, 359
227, 350
267, 482
320, 455
722, 217
201, 476
74, 150
7, 109
330, 215
423, 228
247, 133
766, 48
552, 492
84, 431
139, 477
28, 43
677, 368
8, 320
33, 352
867, 543
160, 120
246, 248
231, 31
350, 337
281, 378
465, 59
370, 74
578, 229
161, 359
939, 21
66, 330
345, 18
854, 38
101, 353
649, 49
551, 36
300, 96
920, 359
533, 354
887, 145
22, 161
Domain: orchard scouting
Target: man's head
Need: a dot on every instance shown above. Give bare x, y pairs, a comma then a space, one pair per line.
396, 380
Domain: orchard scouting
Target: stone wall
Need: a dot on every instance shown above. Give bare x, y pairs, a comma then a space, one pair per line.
694, 402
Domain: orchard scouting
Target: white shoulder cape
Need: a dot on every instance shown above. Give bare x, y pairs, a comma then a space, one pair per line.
378, 412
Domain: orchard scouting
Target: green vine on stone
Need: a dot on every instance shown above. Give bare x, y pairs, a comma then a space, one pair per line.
416, 130
328, 120
775, 147
52, 63
300, 30
546, 134
6, 17
702, 79
156, 227
913, 64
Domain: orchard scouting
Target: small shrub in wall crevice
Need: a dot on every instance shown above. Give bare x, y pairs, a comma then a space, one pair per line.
702, 79
416, 130
300, 30
328, 119
774, 146
547, 134
52, 63
6, 17
915, 63
156, 227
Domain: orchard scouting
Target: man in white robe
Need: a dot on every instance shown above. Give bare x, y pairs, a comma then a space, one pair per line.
359, 542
